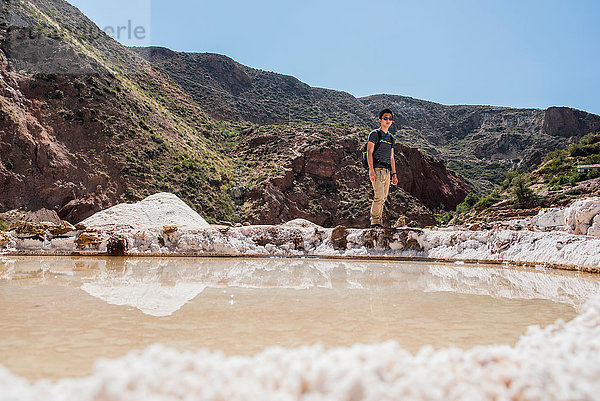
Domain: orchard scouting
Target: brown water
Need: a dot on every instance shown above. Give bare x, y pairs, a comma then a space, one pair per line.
52, 327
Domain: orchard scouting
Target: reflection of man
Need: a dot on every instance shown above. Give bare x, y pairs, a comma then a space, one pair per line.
380, 156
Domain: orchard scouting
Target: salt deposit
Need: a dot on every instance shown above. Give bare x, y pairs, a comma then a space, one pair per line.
155, 211
537, 240
579, 217
549, 218
594, 229
559, 362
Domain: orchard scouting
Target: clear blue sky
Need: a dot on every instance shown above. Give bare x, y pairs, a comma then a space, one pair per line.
517, 53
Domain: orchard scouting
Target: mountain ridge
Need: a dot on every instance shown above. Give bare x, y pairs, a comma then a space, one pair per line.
494, 139
115, 128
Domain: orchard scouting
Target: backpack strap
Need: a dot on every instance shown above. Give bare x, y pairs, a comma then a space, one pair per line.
379, 139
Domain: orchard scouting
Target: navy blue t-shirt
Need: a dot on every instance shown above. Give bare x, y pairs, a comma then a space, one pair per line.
382, 156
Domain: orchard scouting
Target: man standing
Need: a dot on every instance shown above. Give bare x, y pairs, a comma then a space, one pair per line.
380, 157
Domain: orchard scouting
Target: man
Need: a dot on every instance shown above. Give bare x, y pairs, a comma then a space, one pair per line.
380, 157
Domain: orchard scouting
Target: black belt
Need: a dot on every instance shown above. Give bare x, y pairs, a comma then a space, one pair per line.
382, 165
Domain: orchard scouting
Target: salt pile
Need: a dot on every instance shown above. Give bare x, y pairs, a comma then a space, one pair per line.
155, 211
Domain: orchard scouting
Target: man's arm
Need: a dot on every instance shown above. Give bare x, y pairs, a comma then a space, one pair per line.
370, 149
393, 163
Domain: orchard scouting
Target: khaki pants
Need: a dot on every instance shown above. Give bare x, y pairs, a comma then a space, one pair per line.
381, 186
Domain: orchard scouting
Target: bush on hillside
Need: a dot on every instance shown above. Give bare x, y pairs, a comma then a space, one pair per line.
559, 166
468, 203
517, 183
588, 145
509, 178
556, 163
489, 200
4, 225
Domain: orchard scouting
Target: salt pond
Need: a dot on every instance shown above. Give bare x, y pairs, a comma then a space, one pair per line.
60, 314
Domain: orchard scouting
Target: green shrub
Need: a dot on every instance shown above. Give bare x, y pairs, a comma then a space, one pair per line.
588, 145
509, 177
587, 175
556, 163
556, 155
489, 200
584, 150
590, 139
470, 201
444, 218
520, 187
592, 159
4, 225
156, 138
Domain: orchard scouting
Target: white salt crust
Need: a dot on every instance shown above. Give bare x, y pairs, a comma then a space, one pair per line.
554, 236
534, 247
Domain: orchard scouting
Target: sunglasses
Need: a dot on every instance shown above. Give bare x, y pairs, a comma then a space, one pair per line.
388, 118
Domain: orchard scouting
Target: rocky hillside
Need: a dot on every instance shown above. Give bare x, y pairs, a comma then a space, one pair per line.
86, 124
558, 181
311, 171
232, 91
481, 143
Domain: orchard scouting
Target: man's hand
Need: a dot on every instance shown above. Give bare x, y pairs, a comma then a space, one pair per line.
394, 179
372, 175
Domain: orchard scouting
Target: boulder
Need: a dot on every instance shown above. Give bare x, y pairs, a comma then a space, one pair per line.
42, 216
582, 216
547, 218
339, 238
594, 229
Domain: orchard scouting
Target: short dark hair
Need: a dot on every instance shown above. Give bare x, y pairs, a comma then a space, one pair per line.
382, 112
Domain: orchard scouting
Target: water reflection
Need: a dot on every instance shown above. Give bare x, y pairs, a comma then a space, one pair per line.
50, 326
159, 287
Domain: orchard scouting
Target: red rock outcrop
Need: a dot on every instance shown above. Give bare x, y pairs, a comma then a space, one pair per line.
569, 123
428, 179
321, 180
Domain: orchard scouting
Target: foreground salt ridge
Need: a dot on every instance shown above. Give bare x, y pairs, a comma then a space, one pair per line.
560, 362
